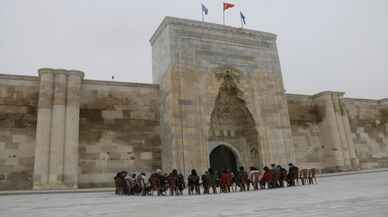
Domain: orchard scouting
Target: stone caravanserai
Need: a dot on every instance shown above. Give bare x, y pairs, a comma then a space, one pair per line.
217, 100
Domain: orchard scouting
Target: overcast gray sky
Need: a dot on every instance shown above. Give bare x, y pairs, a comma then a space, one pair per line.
339, 45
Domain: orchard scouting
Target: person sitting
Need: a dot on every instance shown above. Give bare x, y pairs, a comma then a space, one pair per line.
254, 177
242, 179
282, 176
140, 180
119, 183
134, 188
193, 182
213, 180
155, 182
205, 178
226, 181
164, 183
275, 176
312, 176
266, 180
233, 182
181, 183
173, 182
128, 183
293, 173
304, 175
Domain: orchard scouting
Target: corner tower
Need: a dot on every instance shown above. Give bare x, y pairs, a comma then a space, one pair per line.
221, 88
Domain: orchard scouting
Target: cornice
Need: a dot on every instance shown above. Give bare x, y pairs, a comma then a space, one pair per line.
193, 24
116, 83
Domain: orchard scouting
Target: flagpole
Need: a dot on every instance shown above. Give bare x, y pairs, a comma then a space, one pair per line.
223, 13
241, 20
203, 17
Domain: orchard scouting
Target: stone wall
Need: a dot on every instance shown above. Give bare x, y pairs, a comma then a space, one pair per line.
305, 119
369, 126
119, 130
18, 105
354, 137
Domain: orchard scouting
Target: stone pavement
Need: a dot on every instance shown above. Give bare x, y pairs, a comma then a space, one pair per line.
353, 195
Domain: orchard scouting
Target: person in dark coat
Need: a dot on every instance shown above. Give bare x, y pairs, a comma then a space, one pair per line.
134, 189
205, 178
164, 183
283, 175
124, 183
119, 184
275, 176
155, 182
242, 179
293, 173
181, 183
193, 182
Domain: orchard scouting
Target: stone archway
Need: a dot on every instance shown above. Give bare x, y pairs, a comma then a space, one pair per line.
221, 158
232, 122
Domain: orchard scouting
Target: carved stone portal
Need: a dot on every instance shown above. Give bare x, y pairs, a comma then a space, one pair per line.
231, 121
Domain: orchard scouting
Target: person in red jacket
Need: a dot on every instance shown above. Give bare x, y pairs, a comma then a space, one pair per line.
226, 181
267, 178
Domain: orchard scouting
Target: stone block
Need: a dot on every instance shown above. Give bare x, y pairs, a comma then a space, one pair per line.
115, 156
13, 161
112, 114
142, 115
92, 149
19, 139
127, 148
87, 166
108, 148
26, 162
89, 156
11, 145
146, 156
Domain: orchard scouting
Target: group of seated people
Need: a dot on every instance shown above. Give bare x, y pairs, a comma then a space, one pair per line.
211, 181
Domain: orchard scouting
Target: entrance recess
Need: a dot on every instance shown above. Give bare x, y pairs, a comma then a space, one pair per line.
232, 122
222, 158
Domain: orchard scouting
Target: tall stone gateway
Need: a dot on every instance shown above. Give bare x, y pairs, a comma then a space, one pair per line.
222, 96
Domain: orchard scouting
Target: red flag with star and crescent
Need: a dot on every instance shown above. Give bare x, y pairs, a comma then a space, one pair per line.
228, 5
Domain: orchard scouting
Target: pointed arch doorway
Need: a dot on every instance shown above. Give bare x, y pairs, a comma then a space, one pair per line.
222, 157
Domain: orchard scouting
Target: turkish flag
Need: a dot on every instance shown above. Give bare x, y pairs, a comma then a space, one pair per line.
227, 6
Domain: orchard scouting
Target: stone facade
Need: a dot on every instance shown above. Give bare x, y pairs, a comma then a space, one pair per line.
18, 118
214, 86
369, 131
119, 130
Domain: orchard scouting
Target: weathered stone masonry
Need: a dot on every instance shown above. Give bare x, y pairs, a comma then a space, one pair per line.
56, 147
214, 86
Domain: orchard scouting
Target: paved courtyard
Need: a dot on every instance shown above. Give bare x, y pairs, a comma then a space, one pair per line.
364, 195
